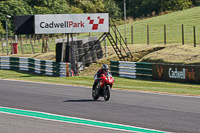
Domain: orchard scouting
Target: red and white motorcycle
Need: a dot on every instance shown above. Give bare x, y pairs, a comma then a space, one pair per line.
102, 89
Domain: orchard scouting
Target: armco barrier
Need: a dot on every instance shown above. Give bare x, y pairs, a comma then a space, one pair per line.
45, 67
131, 69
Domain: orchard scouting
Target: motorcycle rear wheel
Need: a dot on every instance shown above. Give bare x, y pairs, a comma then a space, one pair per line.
107, 93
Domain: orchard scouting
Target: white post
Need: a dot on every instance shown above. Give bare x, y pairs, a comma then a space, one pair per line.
125, 20
7, 36
105, 48
16, 40
7, 16
63, 51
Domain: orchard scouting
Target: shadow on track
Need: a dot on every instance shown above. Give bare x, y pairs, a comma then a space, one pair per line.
83, 100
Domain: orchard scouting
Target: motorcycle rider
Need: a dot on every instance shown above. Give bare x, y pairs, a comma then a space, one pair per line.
98, 74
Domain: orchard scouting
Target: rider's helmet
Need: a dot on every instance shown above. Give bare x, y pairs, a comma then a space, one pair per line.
105, 67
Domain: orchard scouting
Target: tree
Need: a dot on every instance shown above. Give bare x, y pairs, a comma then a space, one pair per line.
29, 7
88, 6
140, 8
2, 31
195, 2
147, 7
113, 9
12, 8
175, 5
49, 6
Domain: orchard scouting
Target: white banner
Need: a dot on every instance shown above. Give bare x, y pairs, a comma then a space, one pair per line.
71, 23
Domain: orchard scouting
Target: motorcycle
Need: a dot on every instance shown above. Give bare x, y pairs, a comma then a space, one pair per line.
103, 87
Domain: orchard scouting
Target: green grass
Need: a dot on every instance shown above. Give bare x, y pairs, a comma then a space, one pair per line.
19, 75
173, 21
181, 54
120, 83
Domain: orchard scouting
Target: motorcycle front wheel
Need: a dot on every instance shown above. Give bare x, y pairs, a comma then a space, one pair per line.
107, 93
95, 94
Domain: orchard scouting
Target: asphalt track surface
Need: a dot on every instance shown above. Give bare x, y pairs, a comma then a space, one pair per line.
170, 113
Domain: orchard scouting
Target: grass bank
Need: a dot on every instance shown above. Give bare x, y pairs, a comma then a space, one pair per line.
173, 21
120, 83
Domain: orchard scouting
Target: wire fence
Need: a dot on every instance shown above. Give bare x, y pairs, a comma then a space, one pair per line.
147, 34
159, 34
151, 34
28, 44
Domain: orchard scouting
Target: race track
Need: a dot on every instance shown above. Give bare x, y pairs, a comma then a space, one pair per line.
161, 112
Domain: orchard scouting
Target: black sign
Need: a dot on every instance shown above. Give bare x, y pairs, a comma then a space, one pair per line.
24, 24
182, 73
